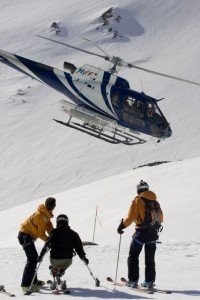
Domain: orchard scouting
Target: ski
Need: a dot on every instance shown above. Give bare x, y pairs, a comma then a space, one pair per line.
140, 290
3, 291
57, 291
153, 289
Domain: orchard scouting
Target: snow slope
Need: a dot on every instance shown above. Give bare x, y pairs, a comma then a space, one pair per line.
41, 157
177, 256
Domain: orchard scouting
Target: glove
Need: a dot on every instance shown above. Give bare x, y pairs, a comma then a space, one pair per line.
85, 259
121, 227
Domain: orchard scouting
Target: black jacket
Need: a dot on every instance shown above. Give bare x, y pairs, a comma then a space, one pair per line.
63, 241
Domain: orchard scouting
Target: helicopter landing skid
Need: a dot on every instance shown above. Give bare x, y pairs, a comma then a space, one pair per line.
114, 137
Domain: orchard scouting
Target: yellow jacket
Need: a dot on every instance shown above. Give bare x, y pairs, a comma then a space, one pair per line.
136, 211
38, 223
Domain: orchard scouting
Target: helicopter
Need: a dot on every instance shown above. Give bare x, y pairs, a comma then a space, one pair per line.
102, 103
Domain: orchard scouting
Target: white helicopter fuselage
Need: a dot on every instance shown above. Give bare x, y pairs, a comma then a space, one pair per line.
92, 89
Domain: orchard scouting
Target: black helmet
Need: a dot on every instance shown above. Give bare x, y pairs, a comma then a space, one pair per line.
142, 187
62, 220
50, 203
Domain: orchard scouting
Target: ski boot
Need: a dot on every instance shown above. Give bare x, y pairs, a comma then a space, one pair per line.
132, 284
148, 284
34, 289
40, 283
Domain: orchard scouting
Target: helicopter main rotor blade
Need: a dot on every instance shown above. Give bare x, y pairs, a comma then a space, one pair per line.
104, 57
117, 61
160, 74
107, 55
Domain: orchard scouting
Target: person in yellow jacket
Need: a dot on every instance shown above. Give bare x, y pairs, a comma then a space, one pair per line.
145, 234
35, 226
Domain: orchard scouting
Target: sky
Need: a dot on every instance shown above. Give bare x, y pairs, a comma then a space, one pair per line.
40, 158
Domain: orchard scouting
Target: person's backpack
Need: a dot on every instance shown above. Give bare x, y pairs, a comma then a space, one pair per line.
153, 216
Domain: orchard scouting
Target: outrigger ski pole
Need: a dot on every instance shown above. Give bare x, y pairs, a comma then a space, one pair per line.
29, 292
31, 285
97, 281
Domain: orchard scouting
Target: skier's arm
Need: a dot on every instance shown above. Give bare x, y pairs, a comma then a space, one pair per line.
132, 214
78, 246
46, 247
42, 228
49, 227
42, 253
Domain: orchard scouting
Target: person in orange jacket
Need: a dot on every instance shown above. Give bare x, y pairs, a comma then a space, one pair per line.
145, 235
35, 226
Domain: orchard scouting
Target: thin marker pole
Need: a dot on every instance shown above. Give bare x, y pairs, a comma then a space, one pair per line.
95, 220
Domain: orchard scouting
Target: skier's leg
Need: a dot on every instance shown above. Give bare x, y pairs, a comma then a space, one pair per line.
30, 266
61, 263
150, 271
133, 261
27, 243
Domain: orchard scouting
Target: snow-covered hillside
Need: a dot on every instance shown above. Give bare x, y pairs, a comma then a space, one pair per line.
39, 156
177, 257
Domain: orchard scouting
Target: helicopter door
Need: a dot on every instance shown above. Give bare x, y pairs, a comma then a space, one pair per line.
133, 111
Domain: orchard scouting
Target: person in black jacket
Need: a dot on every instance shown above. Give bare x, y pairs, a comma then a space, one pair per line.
62, 242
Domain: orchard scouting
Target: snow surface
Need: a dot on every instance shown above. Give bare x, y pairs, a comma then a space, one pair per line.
40, 158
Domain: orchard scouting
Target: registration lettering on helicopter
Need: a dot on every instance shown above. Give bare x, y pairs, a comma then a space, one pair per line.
85, 72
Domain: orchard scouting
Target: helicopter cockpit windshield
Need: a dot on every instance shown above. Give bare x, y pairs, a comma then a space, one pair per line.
153, 113
140, 112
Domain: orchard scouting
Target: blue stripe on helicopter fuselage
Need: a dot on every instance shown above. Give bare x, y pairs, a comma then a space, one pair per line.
45, 74
13, 66
90, 105
105, 81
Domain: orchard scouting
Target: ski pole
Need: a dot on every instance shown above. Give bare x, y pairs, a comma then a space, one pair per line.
97, 281
117, 261
35, 274
31, 285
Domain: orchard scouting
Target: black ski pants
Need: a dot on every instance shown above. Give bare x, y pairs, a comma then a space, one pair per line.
133, 260
28, 245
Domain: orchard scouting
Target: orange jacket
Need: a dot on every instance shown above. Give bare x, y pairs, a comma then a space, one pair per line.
136, 211
38, 223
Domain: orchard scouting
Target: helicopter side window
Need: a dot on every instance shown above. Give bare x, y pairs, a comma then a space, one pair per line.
134, 107
115, 100
133, 112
